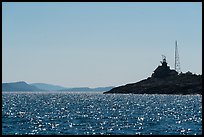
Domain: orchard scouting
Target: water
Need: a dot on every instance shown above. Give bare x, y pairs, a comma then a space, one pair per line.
96, 113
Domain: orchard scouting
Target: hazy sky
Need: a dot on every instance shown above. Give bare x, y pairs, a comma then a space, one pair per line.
97, 44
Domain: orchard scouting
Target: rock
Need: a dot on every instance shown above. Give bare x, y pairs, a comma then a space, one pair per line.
164, 81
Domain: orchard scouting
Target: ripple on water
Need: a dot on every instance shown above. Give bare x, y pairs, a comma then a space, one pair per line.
101, 114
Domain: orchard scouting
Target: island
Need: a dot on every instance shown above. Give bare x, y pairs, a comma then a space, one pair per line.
19, 86
164, 81
23, 86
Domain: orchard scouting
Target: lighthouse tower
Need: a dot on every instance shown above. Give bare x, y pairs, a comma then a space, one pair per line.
163, 70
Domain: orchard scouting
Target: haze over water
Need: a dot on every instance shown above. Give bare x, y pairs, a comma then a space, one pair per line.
97, 113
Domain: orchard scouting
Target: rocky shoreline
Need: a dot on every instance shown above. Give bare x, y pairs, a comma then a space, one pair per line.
180, 84
164, 81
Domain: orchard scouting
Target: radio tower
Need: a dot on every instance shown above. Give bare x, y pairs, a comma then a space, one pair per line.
177, 62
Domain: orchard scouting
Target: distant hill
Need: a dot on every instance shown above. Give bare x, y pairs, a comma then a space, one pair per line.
23, 86
102, 88
19, 86
48, 87
80, 89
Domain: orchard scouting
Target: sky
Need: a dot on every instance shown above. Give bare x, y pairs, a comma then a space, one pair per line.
97, 44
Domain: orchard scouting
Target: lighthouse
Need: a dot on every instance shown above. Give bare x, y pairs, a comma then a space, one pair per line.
163, 70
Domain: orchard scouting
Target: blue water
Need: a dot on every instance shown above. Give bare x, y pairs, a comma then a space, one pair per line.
96, 113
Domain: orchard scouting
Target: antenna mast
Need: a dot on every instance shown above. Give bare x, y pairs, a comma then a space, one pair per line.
177, 62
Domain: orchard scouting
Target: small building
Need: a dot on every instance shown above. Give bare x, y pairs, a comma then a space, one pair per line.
163, 70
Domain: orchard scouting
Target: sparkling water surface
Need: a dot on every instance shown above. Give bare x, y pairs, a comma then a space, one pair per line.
96, 113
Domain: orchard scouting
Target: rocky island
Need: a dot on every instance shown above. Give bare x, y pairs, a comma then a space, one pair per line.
164, 81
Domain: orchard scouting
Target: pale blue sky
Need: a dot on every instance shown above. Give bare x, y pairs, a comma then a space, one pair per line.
97, 44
